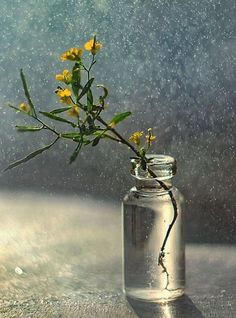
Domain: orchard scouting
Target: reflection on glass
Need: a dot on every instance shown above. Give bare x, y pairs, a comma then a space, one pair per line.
183, 307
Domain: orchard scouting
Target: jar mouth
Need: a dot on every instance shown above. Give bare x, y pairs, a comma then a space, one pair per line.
163, 166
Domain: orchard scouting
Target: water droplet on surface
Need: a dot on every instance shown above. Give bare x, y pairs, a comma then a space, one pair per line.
19, 271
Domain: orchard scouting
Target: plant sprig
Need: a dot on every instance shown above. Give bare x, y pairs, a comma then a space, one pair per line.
76, 92
89, 126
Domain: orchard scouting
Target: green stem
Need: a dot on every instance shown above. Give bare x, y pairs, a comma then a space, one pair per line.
47, 126
119, 136
165, 187
90, 67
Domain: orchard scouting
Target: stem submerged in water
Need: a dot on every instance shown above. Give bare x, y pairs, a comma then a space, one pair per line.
165, 187
174, 204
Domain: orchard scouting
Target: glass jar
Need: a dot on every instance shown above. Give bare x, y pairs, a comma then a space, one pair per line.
153, 238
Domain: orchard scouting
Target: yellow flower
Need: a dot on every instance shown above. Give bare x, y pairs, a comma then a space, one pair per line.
64, 95
150, 137
73, 54
24, 107
135, 137
74, 111
65, 77
93, 46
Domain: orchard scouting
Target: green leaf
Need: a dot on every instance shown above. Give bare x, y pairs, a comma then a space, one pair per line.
96, 141
100, 134
55, 117
101, 101
27, 94
30, 156
89, 100
60, 110
17, 109
105, 135
76, 78
76, 151
29, 128
86, 88
71, 135
119, 117
105, 90
102, 97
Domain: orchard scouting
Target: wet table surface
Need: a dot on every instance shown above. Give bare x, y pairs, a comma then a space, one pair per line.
61, 258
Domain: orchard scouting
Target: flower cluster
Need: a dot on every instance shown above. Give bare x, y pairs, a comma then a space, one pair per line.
64, 95
65, 77
93, 46
73, 54
136, 138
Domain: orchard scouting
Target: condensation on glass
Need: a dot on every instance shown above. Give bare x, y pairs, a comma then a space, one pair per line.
147, 213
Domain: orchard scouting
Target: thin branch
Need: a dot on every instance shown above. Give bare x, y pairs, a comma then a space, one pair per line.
118, 135
30, 156
47, 126
175, 208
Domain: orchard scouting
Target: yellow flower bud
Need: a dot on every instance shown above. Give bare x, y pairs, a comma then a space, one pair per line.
59, 77
150, 137
65, 77
93, 46
24, 107
74, 111
73, 54
111, 125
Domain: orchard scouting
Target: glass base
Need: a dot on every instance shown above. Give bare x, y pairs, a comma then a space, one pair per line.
153, 295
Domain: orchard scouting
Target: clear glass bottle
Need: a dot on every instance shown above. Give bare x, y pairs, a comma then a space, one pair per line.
151, 272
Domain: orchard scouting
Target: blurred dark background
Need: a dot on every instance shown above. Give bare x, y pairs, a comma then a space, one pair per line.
172, 63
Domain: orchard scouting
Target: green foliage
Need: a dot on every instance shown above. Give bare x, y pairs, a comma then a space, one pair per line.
71, 135
76, 78
89, 100
28, 128
30, 156
76, 151
85, 89
27, 94
96, 141
77, 94
60, 110
57, 118
104, 89
119, 117
104, 96
15, 108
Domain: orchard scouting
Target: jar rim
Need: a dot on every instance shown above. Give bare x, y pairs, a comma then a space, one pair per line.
164, 166
156, 159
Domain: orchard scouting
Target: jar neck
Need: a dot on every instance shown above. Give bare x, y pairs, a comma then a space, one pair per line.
158, 174
153, 185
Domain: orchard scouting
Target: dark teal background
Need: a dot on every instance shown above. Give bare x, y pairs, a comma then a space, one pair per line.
172, 63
